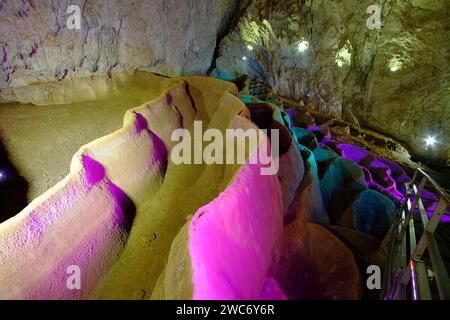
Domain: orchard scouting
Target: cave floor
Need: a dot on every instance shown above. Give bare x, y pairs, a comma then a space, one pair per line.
41, 140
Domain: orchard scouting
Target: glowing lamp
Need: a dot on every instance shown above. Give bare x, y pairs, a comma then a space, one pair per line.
430, 141
303, 45
249, 47
395, 64
344, 56
244, 58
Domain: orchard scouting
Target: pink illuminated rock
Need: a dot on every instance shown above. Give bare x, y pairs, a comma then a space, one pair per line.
232, 238
228, 246
271, 291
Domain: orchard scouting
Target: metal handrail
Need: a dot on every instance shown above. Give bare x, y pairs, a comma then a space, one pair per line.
410, 269
436, 186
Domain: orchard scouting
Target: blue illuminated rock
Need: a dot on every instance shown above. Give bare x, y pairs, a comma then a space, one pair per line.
340, 185
373, 213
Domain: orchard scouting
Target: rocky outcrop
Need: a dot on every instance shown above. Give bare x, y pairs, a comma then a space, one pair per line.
373, 213
168, 37
124, 202
394, 80
314, 264
85, 219
137, 226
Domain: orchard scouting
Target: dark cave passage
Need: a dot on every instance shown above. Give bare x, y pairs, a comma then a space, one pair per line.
13, 187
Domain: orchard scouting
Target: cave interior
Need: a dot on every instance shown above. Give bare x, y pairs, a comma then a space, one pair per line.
117, 179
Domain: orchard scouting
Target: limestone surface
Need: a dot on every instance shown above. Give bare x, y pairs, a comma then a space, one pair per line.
168, 37
394, 79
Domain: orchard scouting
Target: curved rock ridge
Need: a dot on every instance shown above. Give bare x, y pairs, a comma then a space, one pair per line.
233, 240
120, 184
84, 219
269, 232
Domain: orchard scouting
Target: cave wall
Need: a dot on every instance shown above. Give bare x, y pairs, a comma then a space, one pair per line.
170, 37
346, 70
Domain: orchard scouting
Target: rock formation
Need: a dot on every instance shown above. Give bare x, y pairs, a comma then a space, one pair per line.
168, 37
118, 203
136, 223
394, 79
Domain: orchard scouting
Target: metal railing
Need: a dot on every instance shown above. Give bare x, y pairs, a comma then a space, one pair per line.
407, 270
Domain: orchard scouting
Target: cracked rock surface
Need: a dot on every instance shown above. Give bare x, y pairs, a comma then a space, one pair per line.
170, 37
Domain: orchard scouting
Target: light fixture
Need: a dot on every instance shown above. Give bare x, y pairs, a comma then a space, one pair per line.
344, 56
2, 175
249, 47
244, 58
303, 45
395, 64
430, 141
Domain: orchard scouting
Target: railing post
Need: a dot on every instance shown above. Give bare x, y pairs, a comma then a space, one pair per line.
421, 279
412, 206
440, 271
430, 227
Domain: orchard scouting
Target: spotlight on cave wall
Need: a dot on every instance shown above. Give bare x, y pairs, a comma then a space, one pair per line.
244, 58
394, 64
250, 48
430, 141
303, 45
394, 69
344, 56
